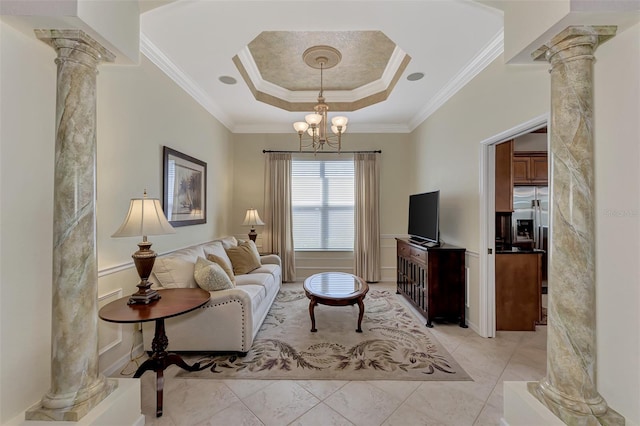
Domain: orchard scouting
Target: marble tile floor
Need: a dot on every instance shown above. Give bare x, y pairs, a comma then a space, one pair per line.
519, 356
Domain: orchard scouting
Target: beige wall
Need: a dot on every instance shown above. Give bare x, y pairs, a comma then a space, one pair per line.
617, 159
139, 111
498, 99
394, 198
27, 103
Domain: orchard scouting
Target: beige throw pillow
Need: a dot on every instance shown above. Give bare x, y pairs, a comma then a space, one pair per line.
210, 276
225, 266
244, 258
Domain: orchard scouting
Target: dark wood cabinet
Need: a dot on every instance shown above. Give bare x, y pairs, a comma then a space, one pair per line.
504, 177
433, 280
518, 291
530, 168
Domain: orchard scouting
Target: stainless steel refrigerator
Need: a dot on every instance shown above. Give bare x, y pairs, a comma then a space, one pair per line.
530, 218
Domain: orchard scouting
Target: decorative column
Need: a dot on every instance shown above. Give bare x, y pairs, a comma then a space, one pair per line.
569, 389
76, 385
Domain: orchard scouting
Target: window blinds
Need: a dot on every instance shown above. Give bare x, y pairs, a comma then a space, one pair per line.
323, 204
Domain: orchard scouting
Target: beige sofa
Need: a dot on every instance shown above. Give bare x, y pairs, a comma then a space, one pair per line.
229, 321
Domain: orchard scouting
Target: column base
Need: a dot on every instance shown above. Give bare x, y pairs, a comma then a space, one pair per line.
121, 408
603, 415
74, 411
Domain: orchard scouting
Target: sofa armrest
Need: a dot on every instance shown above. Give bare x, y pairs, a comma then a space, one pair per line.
270, 259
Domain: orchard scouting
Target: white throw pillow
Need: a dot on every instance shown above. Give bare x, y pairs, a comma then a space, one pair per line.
210, 276
175, 270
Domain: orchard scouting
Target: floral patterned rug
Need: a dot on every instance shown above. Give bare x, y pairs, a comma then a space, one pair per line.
394, 345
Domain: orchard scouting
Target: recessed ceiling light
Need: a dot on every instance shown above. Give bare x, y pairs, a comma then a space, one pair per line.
415, 76
226, 79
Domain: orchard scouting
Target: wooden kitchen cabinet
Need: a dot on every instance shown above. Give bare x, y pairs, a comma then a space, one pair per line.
518, 290
530, 168
504, 177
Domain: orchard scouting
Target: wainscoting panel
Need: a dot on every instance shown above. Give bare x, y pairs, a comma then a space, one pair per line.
109, 333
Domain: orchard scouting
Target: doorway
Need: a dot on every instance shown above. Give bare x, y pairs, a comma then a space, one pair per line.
487, 290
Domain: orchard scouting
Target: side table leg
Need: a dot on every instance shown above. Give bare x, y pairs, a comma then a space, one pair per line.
312, 306
360, 314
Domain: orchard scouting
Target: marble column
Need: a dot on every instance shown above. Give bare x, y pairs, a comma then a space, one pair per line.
76, 385
569, 388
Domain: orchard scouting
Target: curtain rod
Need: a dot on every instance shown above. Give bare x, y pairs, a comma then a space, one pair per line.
378, 151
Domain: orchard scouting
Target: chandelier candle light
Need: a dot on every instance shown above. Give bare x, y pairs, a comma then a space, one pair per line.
315, 124
145, 217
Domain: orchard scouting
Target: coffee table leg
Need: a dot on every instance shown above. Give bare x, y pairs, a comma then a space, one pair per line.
360, 314
312, 307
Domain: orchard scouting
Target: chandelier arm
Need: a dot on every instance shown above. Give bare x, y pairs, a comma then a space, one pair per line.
318, 131
321, 86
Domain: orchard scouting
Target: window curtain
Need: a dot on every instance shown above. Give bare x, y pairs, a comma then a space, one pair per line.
278, 233
367, 217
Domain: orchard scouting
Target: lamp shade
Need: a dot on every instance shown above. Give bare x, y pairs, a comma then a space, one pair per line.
313, 119
339, 121
252, 218
300, 126
145, 217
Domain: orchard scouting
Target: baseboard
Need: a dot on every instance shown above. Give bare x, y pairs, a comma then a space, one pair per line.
117, 366
521, 408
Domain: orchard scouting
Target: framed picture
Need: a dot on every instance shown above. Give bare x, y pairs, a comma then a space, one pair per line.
185, 188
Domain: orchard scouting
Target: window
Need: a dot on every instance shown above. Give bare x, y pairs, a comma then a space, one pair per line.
322, 197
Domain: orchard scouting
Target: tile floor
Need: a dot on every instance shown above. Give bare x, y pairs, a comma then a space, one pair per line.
519, 356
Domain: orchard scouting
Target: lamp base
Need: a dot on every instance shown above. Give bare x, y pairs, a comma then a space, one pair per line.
253, 235
144, 260
144, 295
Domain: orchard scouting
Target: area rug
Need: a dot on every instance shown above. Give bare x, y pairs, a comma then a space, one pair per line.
394, 345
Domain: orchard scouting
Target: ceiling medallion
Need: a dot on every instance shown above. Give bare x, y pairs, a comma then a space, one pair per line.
315, 124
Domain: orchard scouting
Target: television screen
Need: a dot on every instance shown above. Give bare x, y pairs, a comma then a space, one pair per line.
424, 215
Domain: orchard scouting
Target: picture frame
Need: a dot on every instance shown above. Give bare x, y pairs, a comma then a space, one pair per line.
185, 188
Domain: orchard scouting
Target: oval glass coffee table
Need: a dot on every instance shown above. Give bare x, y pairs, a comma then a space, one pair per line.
335, 289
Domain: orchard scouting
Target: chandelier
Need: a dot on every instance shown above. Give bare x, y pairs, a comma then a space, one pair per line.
313, 132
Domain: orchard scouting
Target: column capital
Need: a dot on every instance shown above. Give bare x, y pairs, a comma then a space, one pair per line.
66, 42
585, 38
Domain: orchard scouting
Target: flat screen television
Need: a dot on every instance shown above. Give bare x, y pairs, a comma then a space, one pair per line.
424, 215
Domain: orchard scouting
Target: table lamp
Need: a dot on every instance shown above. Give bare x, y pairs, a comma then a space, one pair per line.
145, 217
252, 218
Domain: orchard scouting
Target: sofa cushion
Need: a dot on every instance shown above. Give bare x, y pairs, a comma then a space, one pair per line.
266, 269
227, 242
243, 258
216, 247
224, 265
176, 269
210, 276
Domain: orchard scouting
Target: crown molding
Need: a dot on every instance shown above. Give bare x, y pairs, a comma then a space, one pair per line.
488, 54
288, 129
300, 96
165, 64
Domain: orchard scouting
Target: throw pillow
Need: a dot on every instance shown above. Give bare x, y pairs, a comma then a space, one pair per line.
210, 276
254, 248
243, 258
216, 247
225, 266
